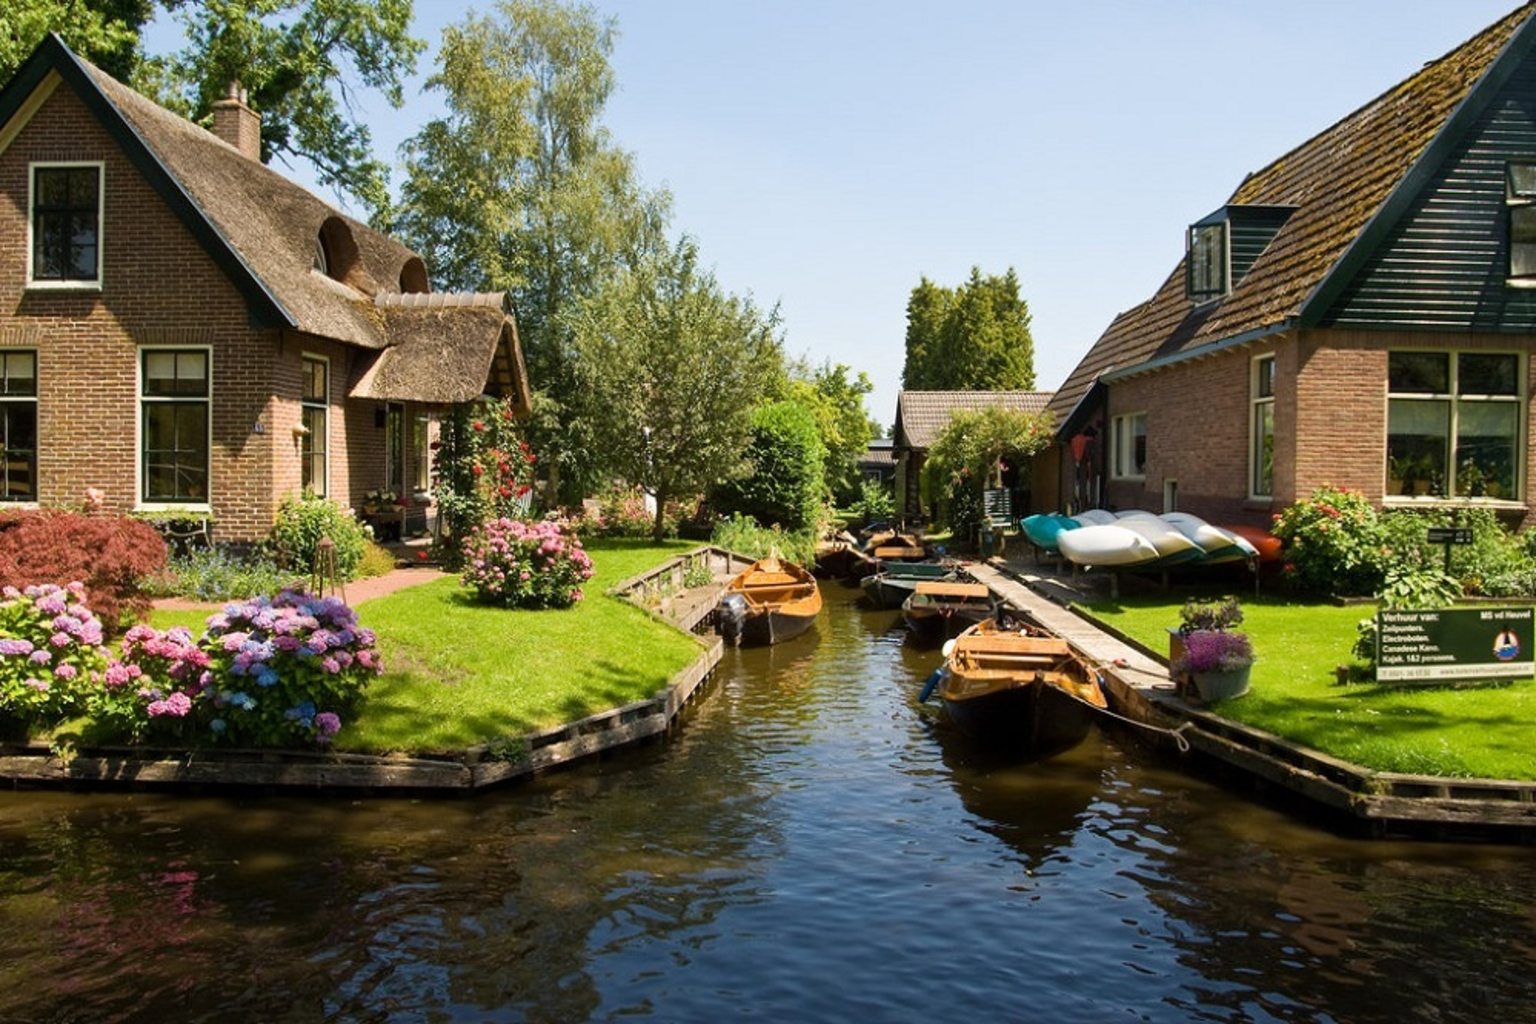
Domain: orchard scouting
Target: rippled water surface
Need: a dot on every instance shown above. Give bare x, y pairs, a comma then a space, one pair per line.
810, 846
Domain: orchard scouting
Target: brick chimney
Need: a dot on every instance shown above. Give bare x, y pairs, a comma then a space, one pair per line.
237, 124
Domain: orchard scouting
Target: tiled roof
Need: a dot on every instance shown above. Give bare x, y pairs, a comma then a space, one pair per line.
1337, 182
921, 416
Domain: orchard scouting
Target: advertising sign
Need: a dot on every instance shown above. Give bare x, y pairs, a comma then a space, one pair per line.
1455, 643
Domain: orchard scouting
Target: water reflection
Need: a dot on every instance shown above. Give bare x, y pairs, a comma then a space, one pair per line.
811, 845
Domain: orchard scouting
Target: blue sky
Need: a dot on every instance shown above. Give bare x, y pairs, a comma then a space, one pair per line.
828, 154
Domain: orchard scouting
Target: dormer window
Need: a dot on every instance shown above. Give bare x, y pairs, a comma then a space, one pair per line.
1521, 200
1207, 263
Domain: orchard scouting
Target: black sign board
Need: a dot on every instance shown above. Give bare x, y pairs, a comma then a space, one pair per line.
1455, 643
1450, 535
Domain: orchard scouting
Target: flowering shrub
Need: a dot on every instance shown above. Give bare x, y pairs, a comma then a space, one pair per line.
622, 512
150, 688
1213, 650
50, 650
482, 469
1333, 543
525, 565
284, 669
301, 522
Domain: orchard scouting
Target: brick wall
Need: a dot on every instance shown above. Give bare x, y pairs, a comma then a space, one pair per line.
158, 288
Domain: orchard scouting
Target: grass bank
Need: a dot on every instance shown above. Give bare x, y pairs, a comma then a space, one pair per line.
1472, 731
460, 674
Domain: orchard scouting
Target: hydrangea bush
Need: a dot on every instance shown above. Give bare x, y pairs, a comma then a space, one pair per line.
50, 650
525, 565
271, 671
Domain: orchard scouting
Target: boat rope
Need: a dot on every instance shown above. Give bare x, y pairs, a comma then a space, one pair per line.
1176, 734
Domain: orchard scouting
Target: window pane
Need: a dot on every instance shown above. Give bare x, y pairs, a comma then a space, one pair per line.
19, 479
1485, 449
19, 373
314, 381
1479, 374
312, 451
176, 451
1522, 180
1418, 433
1263, 448
1265, 385
1419, 373
1207, 261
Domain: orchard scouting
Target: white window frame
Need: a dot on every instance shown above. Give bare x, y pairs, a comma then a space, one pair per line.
322, 444
1123, 432
1259, 404
141, 502
68, 284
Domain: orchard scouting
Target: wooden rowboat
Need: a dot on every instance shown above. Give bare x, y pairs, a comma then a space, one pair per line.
897, 581
940, 609
1020, 690
768, 602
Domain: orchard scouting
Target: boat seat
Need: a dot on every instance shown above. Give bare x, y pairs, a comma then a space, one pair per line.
1038, 645
939, 589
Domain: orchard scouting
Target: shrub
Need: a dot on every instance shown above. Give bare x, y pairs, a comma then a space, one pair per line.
965, 510
284, 670
151, 688
1196, 616
525, 565
220, 573
1494, 552
1333, 543
50, 652
110, 555
744, 536
875, 502
622, 512
482, 469
786, 456
301, 522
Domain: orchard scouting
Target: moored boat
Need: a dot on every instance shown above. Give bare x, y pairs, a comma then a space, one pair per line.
938, 609
1019, 689
768, 602
897, 581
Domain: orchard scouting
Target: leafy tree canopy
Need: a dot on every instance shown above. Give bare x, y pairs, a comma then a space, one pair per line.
974, 338
835, 397
519, 187
784, 485
104, 32
974, 443
668, 366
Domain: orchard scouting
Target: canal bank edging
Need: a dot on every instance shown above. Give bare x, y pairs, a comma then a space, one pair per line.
1377, 803
661, 592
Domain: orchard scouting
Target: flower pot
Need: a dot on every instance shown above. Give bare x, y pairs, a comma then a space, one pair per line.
1175, 652
1213, 686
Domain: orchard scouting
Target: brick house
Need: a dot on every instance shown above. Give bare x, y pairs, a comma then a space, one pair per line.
1361, 313
187, 331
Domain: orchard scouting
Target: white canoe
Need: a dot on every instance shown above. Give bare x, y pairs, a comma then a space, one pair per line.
1171, 544
1095, 517
1106, 544
1218, 544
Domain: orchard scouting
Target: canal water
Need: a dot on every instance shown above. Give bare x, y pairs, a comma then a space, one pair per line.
811, 845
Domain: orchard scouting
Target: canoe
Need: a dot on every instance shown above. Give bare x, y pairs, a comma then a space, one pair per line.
1218, 543
897, 581
1019, 690
1095, 517
768, 602
1265, 543
1108, 545
1171, 545
939, 609
1042, 529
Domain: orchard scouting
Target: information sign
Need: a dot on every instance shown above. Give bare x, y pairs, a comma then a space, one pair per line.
1455, 643
1450, 535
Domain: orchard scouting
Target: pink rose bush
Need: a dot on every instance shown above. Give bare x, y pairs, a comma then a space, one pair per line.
272, 671
525, 565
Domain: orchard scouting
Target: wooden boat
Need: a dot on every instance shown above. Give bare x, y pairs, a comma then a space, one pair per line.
891, 545
897, 581
768, 602
941, 609
1020, 689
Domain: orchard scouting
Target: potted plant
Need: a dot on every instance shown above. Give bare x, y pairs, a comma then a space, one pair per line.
1219, 662
1198, 616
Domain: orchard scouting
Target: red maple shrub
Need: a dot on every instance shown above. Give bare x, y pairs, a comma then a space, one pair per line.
109, 554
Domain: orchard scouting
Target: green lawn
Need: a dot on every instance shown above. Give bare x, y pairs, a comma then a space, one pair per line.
460, 674
1478, 731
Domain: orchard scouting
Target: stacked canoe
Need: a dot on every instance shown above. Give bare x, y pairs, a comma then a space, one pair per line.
1137, 539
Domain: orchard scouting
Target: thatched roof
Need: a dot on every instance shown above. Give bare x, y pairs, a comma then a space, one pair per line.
263, 231
921, 416
1338, 184
440, 354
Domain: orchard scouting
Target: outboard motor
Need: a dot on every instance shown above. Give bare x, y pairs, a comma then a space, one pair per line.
731, 617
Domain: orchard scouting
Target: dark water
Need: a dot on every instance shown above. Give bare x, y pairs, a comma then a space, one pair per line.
811, 846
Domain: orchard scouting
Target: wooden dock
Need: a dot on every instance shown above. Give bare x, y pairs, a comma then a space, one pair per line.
1378, 804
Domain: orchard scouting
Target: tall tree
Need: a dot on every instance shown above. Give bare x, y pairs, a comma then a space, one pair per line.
668, 365
296, 59
974, 338
104, 32
520, 188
